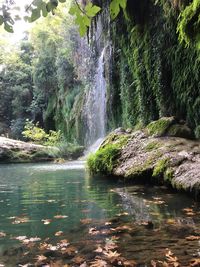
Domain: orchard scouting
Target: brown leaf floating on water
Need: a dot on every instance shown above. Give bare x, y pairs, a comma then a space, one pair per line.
60, 216
78, 259
59, 233
41, 258
159, 264
195, 262
192, 237
98, 263
86, 221
130, 263
98, 250
19, 220
93, 231
111, 254
46, 221
2, 234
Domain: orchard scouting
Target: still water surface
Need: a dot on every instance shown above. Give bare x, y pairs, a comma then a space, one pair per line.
32, 194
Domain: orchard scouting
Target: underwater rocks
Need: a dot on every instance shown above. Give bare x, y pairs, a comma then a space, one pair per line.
164, 153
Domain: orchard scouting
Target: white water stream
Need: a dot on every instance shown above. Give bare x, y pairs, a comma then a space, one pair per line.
96, 107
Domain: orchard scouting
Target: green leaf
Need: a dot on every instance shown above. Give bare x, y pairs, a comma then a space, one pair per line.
92, 10
86, 21
35, 14
115, 6
38, 3
82, 30
1, 19
123, 3
62, 1
48, 7
73, 10
44, 10
114, 9
8, 27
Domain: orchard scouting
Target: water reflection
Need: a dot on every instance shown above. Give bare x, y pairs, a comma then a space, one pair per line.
64, 196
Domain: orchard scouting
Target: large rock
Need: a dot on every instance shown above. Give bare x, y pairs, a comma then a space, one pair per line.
158, 158
18, 151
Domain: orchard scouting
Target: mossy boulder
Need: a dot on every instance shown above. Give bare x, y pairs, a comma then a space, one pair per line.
139, 157
169, 126
160, 127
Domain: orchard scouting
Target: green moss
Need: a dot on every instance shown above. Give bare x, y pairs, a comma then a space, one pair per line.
141, 169
119, 139
152, 146
159, 127
168, 174
104, 160
160, 167
189, 24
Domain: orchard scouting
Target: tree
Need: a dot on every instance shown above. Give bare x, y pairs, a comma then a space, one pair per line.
84, 11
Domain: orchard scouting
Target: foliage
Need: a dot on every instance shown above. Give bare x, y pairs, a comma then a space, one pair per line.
189, 23
160, 167
36, 134
153, 74
104, 160
84, 15
115, 6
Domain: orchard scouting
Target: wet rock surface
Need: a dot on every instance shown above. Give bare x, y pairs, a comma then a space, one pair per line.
159, 158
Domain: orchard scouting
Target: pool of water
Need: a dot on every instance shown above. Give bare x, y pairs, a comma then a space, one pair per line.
52, 202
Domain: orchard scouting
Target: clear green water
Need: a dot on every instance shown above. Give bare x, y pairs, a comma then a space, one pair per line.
41, 191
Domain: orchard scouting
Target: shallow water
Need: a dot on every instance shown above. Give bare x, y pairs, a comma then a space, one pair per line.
39, 200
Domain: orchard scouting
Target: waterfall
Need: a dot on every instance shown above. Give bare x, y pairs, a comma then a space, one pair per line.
95, 107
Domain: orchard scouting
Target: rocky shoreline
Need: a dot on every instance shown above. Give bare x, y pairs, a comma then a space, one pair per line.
15, 151
165, 152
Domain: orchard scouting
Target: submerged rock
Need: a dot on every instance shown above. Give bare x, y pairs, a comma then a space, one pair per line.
160, 155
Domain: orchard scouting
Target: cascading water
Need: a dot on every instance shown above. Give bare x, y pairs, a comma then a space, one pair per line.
96, 105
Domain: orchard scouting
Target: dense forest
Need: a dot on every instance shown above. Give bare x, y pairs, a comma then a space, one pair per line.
149, 70
99, 133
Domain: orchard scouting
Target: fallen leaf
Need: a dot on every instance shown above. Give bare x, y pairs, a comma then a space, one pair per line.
188, 210
111, 254
195, 262
78, 259
46, 221
69, 250
21, 238
86, 221
108, 223
93, 231
41, 258
98, 263
60, 216
59, 233
2, 234
98, 250
192, 237
19, 220
129, 263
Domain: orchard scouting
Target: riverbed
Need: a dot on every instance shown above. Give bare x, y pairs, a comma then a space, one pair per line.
61, 213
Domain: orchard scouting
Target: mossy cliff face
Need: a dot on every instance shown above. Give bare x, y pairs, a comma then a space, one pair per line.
143, 157
154, 75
